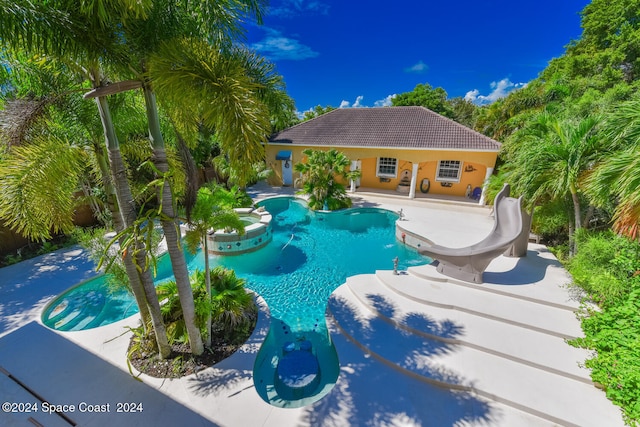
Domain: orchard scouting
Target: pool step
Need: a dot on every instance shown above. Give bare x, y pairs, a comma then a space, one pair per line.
67, 319
501, 338
518, 278
481, 301
463, 351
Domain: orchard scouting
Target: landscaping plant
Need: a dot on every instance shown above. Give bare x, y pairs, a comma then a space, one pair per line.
320, 176
212, 211
607, 267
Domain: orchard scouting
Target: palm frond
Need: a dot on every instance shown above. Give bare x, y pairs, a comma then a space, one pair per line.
198, 75
37, 186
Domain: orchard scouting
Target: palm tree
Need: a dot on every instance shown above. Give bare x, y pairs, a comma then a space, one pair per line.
551, 159
240, 120
48, 138
64, 20
61, 30
319, 174
210, 212
616, 178
138, 268
218, 89
231, 67
39, 204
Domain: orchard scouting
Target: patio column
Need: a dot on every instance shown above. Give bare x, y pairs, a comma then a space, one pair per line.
484, 185
414, 181
354, 166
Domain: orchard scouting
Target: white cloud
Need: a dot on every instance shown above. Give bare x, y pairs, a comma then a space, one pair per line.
356, 104
419, 68
472, 95
386, 102
292, 8
277, 47
500, 89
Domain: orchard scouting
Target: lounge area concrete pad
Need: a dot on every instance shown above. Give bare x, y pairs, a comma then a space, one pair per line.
65, 374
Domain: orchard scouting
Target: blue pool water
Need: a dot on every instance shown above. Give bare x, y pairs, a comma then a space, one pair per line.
89, 305
310, 255
93, 303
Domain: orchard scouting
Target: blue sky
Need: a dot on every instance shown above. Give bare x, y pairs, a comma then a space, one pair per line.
355, 53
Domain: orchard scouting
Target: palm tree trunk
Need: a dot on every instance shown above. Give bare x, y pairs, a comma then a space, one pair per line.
577, 219
141, 281
118, 224
191, 172
207, 281
171, 227
587, 217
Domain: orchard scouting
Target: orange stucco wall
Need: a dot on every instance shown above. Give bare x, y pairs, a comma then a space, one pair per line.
474, 166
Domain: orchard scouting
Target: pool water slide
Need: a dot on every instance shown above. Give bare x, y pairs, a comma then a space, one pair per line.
469, 263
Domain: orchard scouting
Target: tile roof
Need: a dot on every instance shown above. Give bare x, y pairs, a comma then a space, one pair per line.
392, 127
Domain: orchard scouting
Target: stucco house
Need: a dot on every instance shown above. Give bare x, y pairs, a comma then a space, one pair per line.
410, 150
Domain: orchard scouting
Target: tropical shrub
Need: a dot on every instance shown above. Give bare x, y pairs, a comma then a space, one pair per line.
607, 267
172, 309
232, 308
614, 335
320, 174
34, 249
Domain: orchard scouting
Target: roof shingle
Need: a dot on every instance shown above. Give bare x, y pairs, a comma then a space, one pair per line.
387, 127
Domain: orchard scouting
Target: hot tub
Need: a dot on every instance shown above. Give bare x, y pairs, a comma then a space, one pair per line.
257, 227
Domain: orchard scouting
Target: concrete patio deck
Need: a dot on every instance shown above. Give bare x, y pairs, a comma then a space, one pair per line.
415, 349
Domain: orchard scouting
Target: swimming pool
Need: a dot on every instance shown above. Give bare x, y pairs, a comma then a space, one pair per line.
310, 254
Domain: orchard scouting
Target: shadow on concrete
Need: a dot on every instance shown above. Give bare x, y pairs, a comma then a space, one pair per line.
359, 202
371, 390
223, 377
262, 190
26, 287
218, 381
63, 373
528, 270
445, 329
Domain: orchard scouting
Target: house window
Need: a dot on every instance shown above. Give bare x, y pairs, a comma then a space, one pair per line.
387, 167
449, 170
